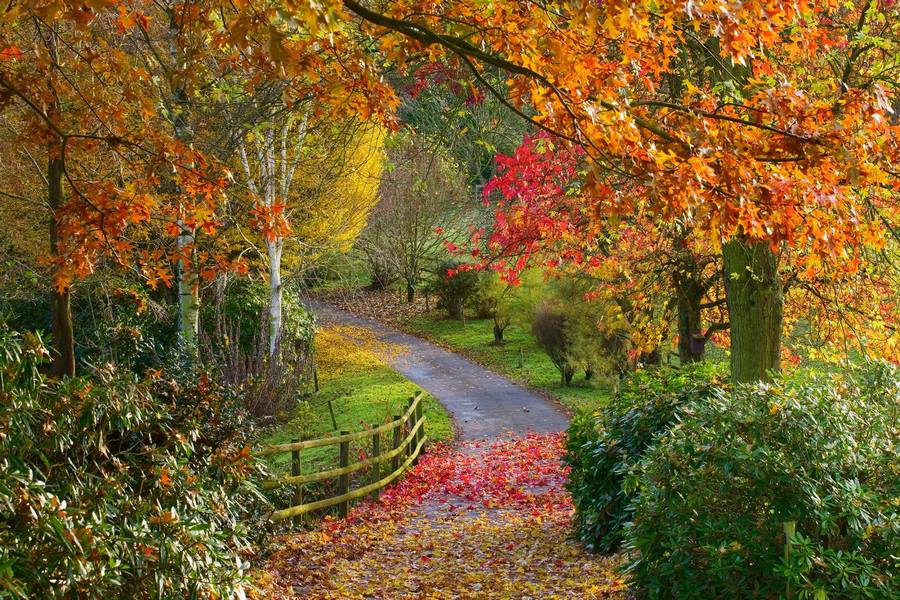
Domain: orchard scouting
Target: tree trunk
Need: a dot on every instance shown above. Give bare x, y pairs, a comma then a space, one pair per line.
651, 357
275, 295
188, 296
498, 334
459, 310
62, 327
60, 301
186, 272
410, 292
691, 343
753, 293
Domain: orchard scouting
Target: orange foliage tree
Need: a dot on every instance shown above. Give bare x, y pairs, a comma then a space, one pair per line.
122, 102
768, 129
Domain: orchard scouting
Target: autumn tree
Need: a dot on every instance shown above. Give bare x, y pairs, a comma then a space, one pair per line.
653, 271
275, 155
767, 128
321, 177
122, 104
75, 111
423, 204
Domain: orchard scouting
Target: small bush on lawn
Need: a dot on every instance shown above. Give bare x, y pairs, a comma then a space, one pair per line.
494, 299
603, 446
456, 289
821, 451
552, 336
115, 488
236, 348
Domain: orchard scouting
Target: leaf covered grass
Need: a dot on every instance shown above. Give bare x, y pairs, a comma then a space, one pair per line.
363, 392
479, 521
474, 339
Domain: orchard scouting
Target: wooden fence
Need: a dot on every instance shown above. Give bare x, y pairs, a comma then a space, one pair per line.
403, 453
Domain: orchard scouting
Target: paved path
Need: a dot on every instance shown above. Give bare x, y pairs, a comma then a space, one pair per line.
487, 518
484, 405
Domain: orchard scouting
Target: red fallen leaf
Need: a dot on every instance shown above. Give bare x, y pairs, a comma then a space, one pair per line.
11, 53
523, 478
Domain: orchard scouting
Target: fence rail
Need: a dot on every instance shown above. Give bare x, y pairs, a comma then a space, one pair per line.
403, 453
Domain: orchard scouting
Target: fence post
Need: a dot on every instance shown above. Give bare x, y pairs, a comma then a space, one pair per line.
331, 412
420, 434
398, 432
376, 452
298, 490
344, 481
315, 376
411, 422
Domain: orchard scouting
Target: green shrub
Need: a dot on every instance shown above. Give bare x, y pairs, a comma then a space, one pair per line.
603, 446
454, 288
117, 319
580, 331
131, 329
494, 299
243, 307
116, 488
268, 383
552, 335
820, 451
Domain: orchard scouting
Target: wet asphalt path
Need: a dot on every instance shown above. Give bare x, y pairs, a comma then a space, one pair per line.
484, 405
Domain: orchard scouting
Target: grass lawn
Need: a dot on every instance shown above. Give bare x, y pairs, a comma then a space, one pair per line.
363, 391
474, 339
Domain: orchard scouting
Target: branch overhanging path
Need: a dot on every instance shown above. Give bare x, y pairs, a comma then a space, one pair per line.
486, 518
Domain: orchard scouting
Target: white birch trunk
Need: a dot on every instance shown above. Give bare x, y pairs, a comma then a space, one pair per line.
275, 168
275, 294
188, 296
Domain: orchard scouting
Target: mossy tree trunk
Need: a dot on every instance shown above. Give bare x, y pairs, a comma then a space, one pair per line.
754, 295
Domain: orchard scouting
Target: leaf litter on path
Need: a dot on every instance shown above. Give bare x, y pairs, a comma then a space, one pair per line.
478, 520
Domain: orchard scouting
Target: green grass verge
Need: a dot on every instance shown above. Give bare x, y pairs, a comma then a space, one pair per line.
360, 396
474, 339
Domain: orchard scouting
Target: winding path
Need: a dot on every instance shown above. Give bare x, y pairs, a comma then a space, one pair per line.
485, 518
484, 405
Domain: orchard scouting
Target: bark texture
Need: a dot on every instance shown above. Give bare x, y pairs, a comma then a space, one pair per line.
754, 295
276, 293
61, 326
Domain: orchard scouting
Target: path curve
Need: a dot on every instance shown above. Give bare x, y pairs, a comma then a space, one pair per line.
486, 518
484, 405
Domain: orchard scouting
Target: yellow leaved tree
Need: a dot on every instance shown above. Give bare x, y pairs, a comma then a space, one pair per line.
311, 187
